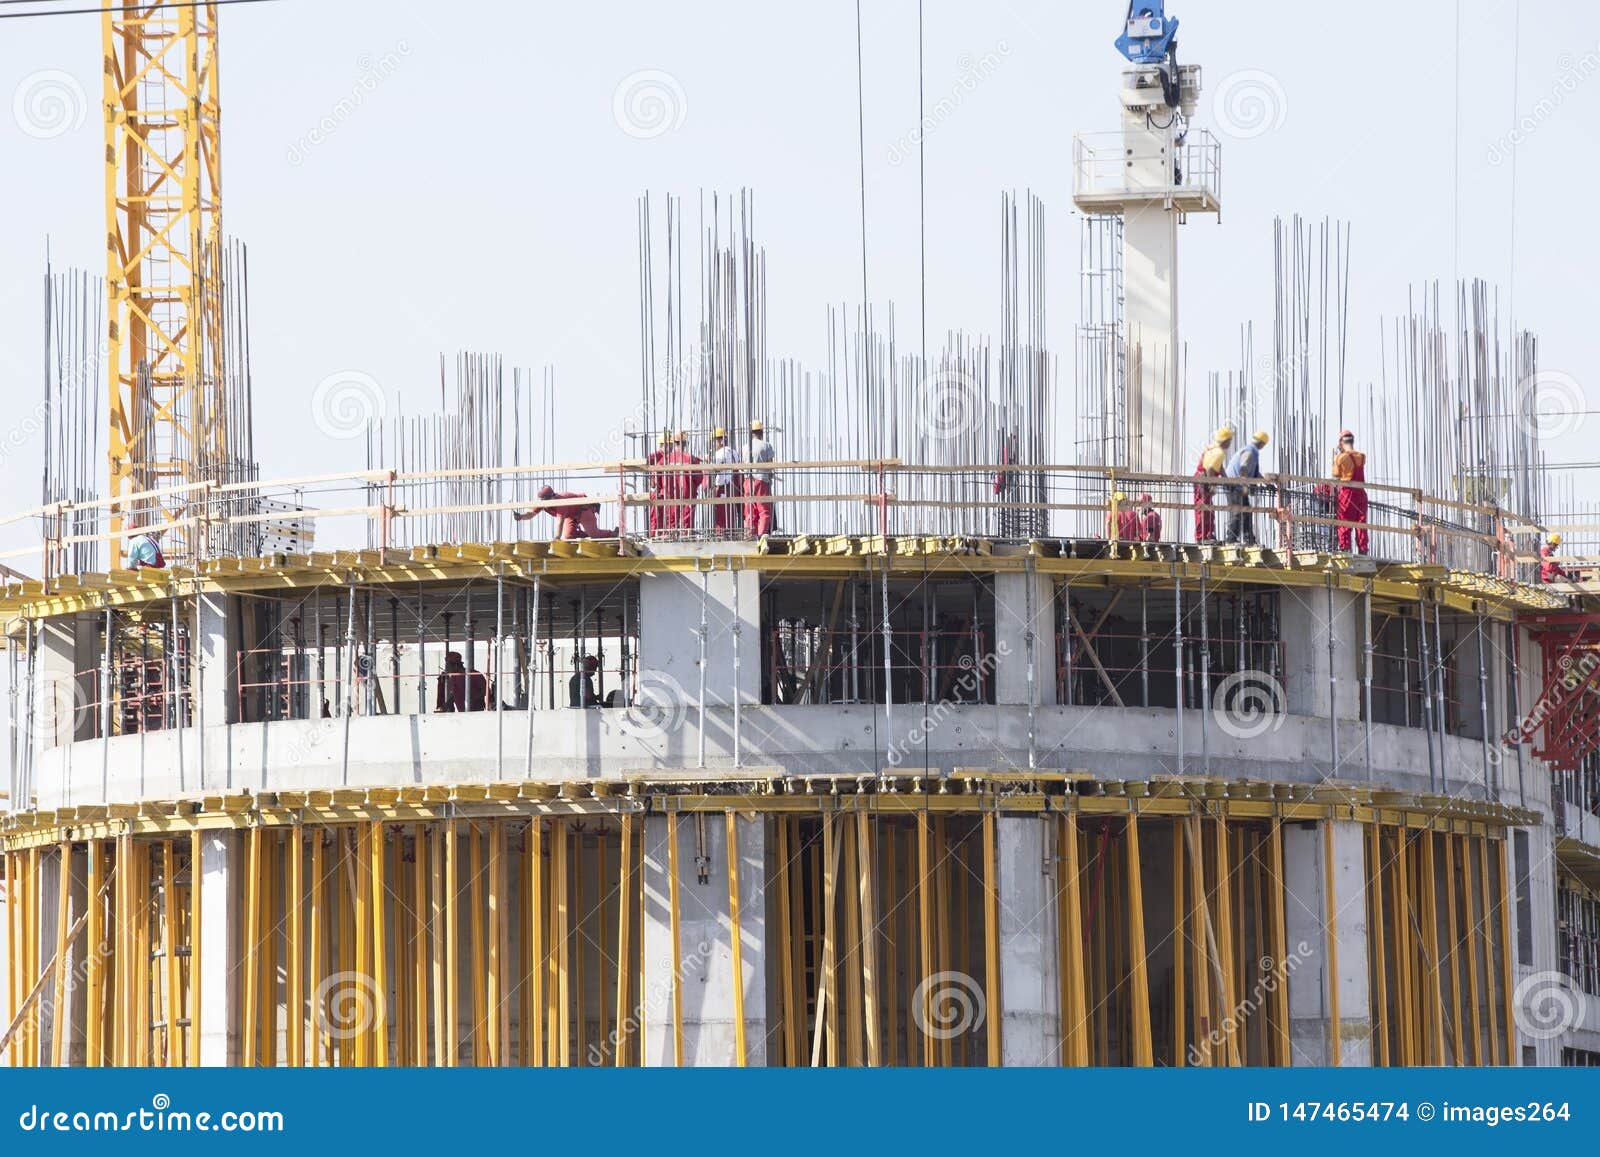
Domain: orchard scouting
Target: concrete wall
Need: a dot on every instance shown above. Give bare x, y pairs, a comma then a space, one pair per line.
1315, 975
1307, 630
672, 608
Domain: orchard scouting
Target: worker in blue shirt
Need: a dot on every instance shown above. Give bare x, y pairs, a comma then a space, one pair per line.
144, 550
1245, 463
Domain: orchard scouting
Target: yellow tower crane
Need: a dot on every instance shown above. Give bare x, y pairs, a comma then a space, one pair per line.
165, 351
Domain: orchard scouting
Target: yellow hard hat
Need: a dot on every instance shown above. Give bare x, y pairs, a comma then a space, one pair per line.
1119, 496
719, 432
663, 439
1555, 540
1261, 436
1224, 433
683, 435
756, 425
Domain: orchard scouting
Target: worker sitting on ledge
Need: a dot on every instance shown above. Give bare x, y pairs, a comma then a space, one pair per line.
580, 688
461, 689
1549, 569
144, 550
577, 521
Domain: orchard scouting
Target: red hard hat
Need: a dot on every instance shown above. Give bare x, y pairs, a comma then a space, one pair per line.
1343, 434
547, 492
1144, 498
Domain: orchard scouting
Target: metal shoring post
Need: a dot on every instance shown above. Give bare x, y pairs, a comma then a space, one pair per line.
888, 658
13, 732
1333, 684
174, 698
700, 741
1027, 638
527, 769
394, 649
550, 651
1144, 641
624, 653
422, 657
1205, 679
105, 696
1490, 791
1366, 678
855, 648
1068, 644
350, 672
1424, 670
1516, 707
738, 755
498, 666
1177, 653
1438, 690
369, 682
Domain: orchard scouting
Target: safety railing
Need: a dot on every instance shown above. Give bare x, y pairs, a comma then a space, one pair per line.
867, 497
1106, 167
813, 664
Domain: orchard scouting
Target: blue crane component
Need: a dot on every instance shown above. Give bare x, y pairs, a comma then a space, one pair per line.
1149, 35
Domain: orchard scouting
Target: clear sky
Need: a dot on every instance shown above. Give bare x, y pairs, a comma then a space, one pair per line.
416, 178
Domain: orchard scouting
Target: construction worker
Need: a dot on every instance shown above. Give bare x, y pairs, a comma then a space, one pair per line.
1350, 502
574, 521
460, 689
1242, 465
758, 487
657, 482
580, 688
1549, 569
1149, 520
1213, 459
144, 550
723, 481
683, 484
1127, 519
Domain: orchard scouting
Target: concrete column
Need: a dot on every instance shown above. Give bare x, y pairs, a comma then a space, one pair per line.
1029, 1017
59, 706
1312, 974
1023, 604
72, 1008
221, 864
214, 678
703, 972
1305, 625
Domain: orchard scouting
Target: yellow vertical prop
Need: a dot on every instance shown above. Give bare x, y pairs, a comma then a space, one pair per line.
625, 885
785, 942
850, 946
869, 939
1143, 1047
1199, 924
1490, 921
533, 1007
380, 940
449, 1031
58, 1008
735, 939
1331, 924
496, 921
294, 962
830, 937
1429, 911
560, 882
1074, 1001
480, 1052
991, 941
318, 917
1179, 939
1380, 987
252, 938
1474, 932
887, 842
1505, 952
173, 1053
1456, 1012
195, 878
94, 959
677, 948
1405, 1021
419, 945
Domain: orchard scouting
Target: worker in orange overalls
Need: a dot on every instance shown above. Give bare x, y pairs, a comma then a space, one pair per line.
1549, 569
575, 521
1148, 520
1350, 504
1213, 459
657, 482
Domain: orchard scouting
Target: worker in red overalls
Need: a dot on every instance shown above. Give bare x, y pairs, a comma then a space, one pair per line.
1350, 504
758, 485
657, 483
1148, 520
683, 484
723, 482
575, 521
1549, 569
1213, 459
1127, 519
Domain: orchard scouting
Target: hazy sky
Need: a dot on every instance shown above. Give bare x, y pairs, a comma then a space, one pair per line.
415, 178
